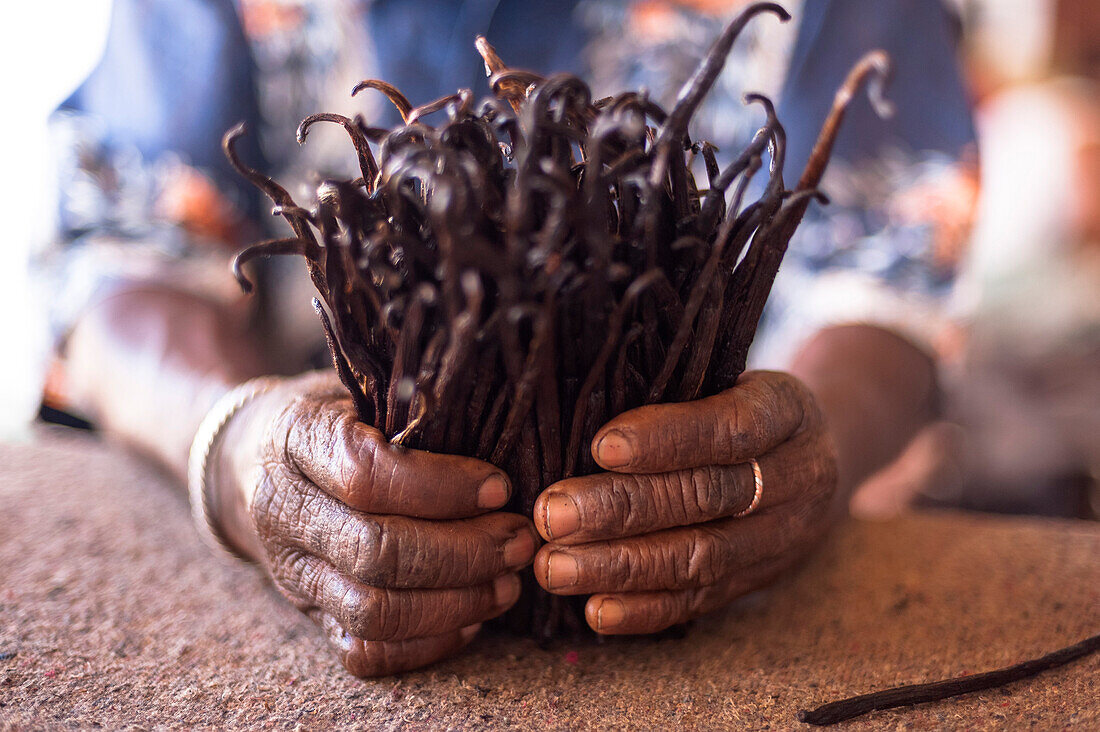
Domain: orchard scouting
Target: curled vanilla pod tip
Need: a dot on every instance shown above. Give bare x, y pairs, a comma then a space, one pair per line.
509, 273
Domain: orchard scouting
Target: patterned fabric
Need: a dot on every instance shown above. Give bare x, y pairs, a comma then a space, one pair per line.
887, 248
146, 193
656, 45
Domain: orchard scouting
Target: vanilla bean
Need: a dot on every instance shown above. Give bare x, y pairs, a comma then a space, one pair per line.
364, 409
502, 280
396, 97
904, 696
524, 393
355, 130
700, 288
268, 248
599, 364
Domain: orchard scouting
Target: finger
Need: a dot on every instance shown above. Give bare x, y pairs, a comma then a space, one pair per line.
354, 463
760, 412
676, 559
616, 505
382, 658
377, 614
651, 612
394, 551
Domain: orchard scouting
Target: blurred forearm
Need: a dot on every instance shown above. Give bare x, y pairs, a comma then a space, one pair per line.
147, 363
877, 391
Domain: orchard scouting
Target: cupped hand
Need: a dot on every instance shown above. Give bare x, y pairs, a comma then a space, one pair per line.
398, 554
657, 540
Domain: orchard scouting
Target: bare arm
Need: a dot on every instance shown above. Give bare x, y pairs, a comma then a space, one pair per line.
674, 529
876, 390
147, 363
399, 555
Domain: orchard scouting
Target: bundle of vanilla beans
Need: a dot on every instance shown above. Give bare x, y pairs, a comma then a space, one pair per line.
501, 282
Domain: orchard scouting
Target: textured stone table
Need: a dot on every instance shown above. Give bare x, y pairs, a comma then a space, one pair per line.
112, 613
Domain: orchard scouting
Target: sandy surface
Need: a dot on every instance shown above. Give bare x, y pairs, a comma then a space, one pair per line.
113, 613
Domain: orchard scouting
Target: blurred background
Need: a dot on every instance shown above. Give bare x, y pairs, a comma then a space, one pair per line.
1020, 362
64, 39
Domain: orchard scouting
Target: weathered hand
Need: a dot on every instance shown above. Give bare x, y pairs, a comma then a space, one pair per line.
398, 554
657, 539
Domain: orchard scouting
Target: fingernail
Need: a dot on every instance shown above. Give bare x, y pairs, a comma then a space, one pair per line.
609, 615
467, 634
560, 515
493, 493
561, 571
519, 549
506, 589
613, 450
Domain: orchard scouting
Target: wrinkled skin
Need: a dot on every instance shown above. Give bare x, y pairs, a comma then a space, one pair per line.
400, 555
656, 540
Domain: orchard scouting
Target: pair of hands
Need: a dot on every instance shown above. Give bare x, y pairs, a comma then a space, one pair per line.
400, 555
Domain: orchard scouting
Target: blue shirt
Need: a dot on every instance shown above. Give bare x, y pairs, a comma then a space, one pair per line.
177, 73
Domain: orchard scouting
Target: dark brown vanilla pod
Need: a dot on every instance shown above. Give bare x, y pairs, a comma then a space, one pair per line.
904, 696
510, 273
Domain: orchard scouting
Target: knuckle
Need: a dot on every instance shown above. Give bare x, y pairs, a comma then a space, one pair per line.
361, 473
703, 600
674, 496
766, 405
732, 426
358, 656
662, 433
279, 505
276, 438
309, 513
794, 397
372, 555
373, 659
326, 436
634, 568
621, 506
366, 613
267, 502
659, 498
283, 566
695, 604
709, 490
292, 572
314, 582
287, 431
707, 558
384, 615
459, 560
480, 551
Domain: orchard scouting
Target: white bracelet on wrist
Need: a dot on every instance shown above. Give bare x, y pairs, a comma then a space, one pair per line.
202, 448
